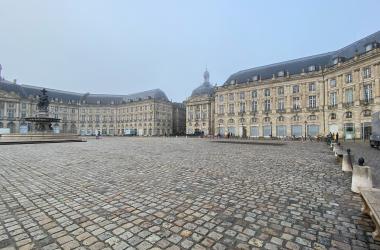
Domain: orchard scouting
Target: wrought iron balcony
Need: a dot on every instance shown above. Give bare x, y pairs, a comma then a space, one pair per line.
332, 106
281, 110
312, 109
366, 102
348, 104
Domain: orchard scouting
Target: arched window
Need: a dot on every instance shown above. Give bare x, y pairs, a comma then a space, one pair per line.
333, 116
254, 120
267, 119
296, 118
221, 121
281, 118
231, 121
367, 113
348, 114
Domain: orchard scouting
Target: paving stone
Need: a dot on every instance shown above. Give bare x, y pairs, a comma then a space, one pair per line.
178, 192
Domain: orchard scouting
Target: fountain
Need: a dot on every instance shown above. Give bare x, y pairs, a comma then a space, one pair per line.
42, 130
42, 122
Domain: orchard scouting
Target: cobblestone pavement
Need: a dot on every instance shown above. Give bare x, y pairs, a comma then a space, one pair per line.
142, 193
370, 155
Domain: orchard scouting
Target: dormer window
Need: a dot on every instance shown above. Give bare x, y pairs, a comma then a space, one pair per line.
336, 60
232, 82
311, 68
281, 73
255, 78
369, 47
98, 102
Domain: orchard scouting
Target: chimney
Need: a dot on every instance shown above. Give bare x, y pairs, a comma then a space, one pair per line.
0, 72
15, 81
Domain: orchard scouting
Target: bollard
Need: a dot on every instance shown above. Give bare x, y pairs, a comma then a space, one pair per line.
361, 176
347, 161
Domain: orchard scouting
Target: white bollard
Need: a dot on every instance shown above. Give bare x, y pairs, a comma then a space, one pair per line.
361, 177
347, 161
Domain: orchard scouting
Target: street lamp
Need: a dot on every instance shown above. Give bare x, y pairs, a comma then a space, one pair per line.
305, 129
271, 129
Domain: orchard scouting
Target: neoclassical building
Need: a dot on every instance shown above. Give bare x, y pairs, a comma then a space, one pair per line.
149, 112
200, 108
331, 92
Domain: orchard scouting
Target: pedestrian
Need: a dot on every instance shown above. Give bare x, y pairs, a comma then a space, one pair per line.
337, 137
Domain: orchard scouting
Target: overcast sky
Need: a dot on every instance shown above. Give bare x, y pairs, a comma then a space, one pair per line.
122, 47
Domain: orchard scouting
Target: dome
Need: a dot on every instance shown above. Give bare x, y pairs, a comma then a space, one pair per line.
206, 88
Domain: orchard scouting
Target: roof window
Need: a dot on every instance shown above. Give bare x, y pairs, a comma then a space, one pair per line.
369, 47
311, 68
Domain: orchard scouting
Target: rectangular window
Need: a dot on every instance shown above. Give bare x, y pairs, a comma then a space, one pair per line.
312, 130
312, 86
349, 78
254, 106
333, 100
242, 95
266, 92
296, 103
332, 83
23, 114
221, 98
267, 105
242, 107
255, 131
367, 72
281, 131
221, 109
349, 94
254, 93
280, 90
368, 92
281, 104
312, 101
296, 88
231, 96
231, 108
23, 105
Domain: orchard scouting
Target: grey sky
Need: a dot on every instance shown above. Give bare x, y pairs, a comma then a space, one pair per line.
122, 47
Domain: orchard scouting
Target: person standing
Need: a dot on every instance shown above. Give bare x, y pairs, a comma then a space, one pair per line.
337, 137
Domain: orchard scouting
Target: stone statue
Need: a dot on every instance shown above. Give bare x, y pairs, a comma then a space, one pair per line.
43, 101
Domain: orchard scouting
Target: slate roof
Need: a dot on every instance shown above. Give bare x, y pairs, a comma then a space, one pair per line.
25, 91
205, 89
298, 65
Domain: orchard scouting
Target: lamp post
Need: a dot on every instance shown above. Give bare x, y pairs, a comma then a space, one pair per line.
305, 129
271, 130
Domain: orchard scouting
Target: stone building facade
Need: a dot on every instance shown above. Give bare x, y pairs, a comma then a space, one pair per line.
332, 92
149, 113
200, 109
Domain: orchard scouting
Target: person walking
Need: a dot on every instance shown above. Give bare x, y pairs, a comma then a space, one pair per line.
337, 137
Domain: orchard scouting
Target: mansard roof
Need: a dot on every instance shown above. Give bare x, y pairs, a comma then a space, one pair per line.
25, 91
300, 65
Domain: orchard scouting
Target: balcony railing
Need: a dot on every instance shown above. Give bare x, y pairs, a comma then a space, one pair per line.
295, 110
241, 113
348, 104
281, 110
230, 113
312, 109
334, 106
366, 102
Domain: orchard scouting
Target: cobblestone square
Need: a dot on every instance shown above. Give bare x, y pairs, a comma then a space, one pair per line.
177, 193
